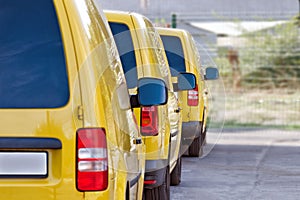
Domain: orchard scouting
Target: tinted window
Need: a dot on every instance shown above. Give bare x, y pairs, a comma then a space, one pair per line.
125, 47
174, 52
32, 65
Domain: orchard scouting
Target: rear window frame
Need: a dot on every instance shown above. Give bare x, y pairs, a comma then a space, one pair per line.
130, 82
171, 61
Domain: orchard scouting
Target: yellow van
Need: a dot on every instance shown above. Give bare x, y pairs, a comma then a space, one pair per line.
66, 126
183, 56
142, 55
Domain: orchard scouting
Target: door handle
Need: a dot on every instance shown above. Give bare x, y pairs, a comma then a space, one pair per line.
177, 110
206, 92
137, 141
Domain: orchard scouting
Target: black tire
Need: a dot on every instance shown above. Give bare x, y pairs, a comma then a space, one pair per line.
176, 173
159, 193
195, 149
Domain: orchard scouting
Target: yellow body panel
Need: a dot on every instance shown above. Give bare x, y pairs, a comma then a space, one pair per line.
94, 74
151, 62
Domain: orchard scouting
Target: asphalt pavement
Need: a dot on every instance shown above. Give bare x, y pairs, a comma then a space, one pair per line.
243, 164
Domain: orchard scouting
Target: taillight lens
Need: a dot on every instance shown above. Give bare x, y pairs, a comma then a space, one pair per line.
92, 162
193, 97
149, 121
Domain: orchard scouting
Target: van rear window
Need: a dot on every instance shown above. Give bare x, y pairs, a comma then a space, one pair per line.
33, 72
175, 55
125, 47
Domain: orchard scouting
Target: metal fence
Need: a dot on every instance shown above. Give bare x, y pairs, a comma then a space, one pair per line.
260, 72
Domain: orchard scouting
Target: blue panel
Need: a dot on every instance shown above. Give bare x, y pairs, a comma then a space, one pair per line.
174, 52
125, 47
32, 62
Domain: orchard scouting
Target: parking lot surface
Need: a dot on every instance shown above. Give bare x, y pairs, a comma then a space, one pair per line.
244, 164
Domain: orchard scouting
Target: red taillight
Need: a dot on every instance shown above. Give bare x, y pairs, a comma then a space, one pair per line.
193, 97
149, 182
92, 163
149, 121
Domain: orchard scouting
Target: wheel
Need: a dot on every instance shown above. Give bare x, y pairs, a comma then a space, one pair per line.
176, 173
159, 193
195, 149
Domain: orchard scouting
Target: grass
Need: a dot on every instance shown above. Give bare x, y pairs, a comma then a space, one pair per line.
253, 125
261, 108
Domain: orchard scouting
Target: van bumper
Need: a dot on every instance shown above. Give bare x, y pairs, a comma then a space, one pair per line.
190, 131
155, 173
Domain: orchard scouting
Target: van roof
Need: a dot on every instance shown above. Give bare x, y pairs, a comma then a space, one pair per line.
125, 13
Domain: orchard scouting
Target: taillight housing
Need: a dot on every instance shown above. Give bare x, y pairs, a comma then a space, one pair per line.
149, 121
193, 97
92, 161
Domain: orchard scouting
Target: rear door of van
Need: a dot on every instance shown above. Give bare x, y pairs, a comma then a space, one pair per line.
39, 102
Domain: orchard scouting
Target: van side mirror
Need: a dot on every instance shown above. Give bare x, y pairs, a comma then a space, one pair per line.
150, 92
211, 73
185, 81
